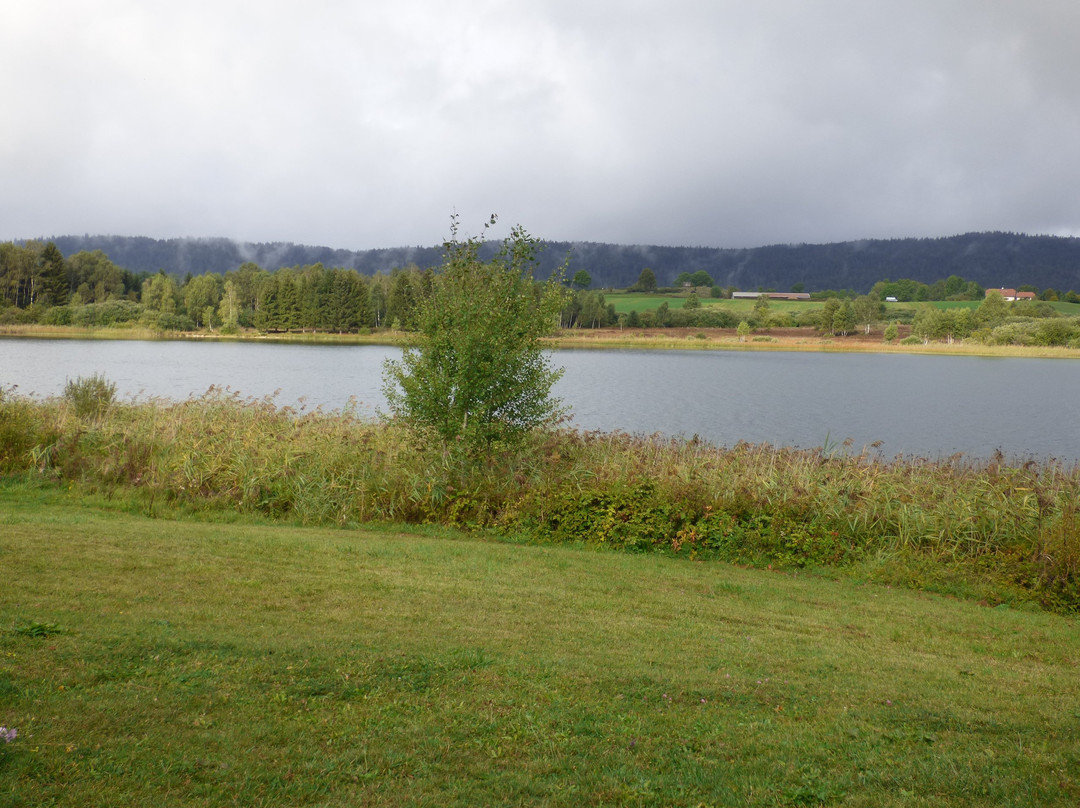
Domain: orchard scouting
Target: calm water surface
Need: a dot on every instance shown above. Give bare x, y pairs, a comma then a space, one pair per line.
921, 405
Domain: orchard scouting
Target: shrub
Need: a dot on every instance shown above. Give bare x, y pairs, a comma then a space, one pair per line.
18, 429
90, 396
57, 315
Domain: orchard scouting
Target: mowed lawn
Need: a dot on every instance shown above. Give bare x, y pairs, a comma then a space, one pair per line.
155, 662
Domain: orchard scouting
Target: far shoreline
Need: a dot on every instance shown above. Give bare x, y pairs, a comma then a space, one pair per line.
715, 339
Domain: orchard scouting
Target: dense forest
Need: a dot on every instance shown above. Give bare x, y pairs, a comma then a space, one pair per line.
38, 284
989, 259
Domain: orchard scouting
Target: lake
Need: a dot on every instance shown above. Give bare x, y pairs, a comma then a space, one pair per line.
932, 406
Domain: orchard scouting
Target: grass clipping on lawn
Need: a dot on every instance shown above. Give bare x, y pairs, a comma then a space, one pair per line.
158, 662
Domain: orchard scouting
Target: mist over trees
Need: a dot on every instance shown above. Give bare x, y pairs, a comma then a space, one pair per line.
38, 285
988, 259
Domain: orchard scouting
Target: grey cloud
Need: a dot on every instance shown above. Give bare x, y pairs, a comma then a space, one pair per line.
712, 123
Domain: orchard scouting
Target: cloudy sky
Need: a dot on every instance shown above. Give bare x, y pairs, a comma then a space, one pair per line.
366, 123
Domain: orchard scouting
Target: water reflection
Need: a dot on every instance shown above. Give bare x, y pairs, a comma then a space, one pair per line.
924, 405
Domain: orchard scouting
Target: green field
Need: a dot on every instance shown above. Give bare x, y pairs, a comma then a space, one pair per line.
625, 302
162, 662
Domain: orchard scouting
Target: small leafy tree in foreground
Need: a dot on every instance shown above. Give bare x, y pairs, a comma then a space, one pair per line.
477, 374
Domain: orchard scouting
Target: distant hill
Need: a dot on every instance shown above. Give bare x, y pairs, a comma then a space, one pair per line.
990, 259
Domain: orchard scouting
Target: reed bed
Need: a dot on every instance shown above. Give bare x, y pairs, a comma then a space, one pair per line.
1001, 531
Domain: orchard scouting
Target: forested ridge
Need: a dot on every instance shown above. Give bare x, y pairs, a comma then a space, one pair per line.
991, 259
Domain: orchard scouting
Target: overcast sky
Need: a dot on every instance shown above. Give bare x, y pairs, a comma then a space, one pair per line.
366, 123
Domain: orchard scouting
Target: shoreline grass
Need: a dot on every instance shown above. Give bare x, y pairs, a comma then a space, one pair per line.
160, 662
608, 338
999, 531
726, 339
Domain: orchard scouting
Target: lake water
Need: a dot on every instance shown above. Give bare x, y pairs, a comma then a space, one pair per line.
914, 405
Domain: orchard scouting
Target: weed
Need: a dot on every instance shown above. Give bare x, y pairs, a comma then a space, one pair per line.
38, 630
90, 396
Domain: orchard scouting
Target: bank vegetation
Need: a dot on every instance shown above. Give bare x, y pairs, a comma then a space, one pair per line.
1002, 531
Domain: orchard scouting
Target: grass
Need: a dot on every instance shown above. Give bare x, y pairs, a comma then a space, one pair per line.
625, 302
126, 332
196, 663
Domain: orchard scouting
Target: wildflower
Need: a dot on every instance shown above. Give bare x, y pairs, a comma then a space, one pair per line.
8, 735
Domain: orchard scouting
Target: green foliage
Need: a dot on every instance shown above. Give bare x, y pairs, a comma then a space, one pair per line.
478, 374
891, 332
201, 296
993, 310
943, 324
160, 294
999, 532
166, 321
844, 320
586, 309
827, 315
21, 430
1059, 331
646, 282
582, 280
38, 630
90, 396
867, 309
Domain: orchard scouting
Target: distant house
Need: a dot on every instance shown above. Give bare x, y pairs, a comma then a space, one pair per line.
1011, 294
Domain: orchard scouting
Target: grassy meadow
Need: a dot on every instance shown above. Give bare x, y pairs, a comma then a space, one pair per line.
178, 661
220, 601
625, 302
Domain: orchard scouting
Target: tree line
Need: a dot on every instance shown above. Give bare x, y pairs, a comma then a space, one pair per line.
990, 259
38, 285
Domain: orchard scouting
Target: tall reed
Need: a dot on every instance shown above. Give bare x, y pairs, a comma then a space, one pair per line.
1001, 530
